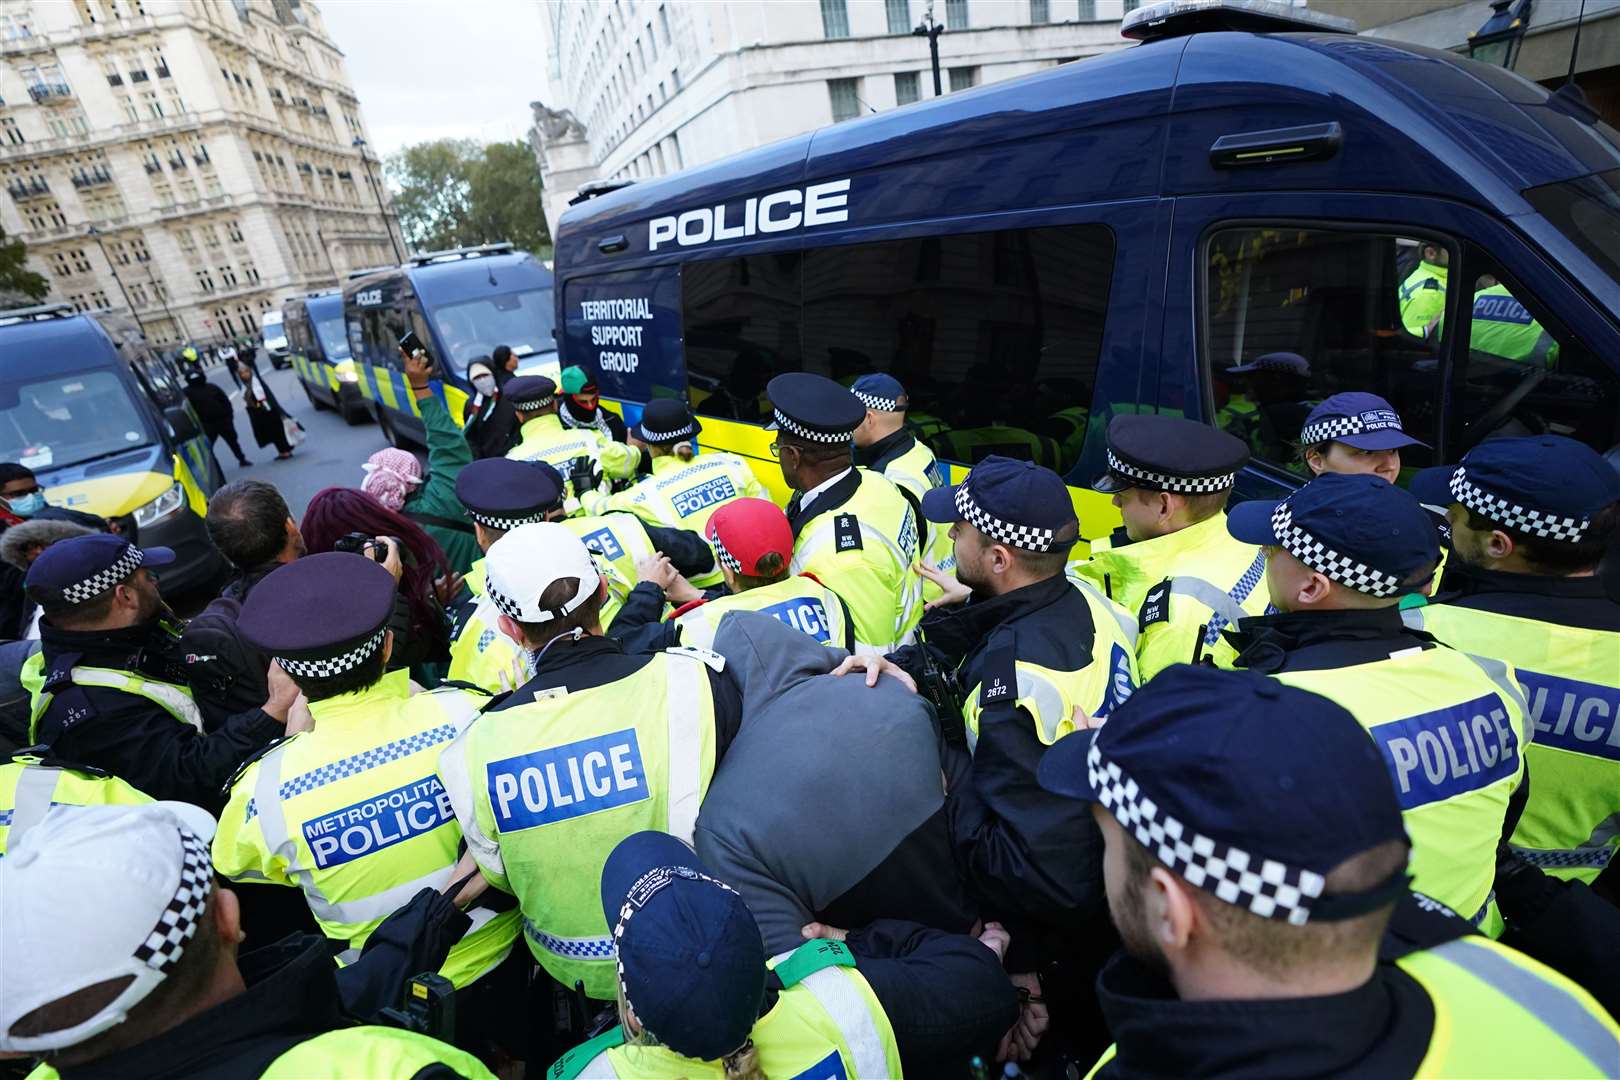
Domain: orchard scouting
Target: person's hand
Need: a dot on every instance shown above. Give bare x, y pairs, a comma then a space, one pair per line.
1084, 721
583, 475
875, 666
391, 563
447, 588
283, 692
1021, 1040
995, 938
473, 888
418, 370
822, 932
299, 718
657, 569
680, 591
955, 591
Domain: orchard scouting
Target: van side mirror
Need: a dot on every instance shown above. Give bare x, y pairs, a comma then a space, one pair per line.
181, 426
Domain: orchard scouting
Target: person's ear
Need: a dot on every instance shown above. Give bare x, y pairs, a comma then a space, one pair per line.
228, 918
1001, 559
387, 646
1316, 589
511, 629
1499, 545
1164, 505
1314, 461
1172, 910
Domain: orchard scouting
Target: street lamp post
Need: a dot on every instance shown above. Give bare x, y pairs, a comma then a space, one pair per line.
161, 294
931, 28
360, 145
1497, 42
95, 234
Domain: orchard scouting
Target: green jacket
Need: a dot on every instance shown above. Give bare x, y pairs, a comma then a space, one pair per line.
448, 454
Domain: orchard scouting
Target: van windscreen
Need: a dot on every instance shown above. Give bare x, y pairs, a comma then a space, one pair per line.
472, 328
60, 420
1587, 210
334, 337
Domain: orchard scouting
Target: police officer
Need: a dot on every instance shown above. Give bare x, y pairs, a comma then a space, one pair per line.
351, 812
597, 744
1256, 870
1173, 562
698, 998
581, 406
1352, 433
108, 686
1271, 403
754, 544
585, 453
124, 897
1031, 652
683, 489
30, 785
1502, 326
1423, 293
1530, 519
852, 528
885, 445
1452, 727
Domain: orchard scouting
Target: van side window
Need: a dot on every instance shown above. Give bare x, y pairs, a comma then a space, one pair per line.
1293, 316
1523, 375
996, 336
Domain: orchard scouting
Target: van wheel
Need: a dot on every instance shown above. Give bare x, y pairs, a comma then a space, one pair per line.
357, 416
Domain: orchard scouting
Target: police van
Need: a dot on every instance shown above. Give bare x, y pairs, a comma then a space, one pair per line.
1134, 232
462, 304
103, 423
318, 344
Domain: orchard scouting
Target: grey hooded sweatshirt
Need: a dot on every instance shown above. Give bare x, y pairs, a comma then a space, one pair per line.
829, 805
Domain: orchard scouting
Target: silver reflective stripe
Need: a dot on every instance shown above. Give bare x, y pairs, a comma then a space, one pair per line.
35, 787
1213, 597
909, 592
457, 783
1511, 690
598, 1068
1127, 625
685, 691
1413, 618
176, 701
1554, 1006
1049, 712
371, 908
1595, 852
843, 1001
459, 706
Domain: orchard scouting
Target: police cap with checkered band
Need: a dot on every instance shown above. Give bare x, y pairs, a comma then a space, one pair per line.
881, 392
1359, 531
321, 615
1017, 503
530, 393
81, 568
690, 958
1170, 453
664, 421
500, 493
1364, 421
1546, 486
813, 408
94, 894
1247, 788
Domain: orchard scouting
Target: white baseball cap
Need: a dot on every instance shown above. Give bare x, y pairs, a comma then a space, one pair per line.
94, 893
521, 565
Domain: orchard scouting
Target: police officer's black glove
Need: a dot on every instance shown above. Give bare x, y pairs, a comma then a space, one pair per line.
1523, 890
583, 475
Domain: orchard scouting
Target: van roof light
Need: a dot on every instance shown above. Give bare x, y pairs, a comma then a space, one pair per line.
1175, 18
36, 313
452, 254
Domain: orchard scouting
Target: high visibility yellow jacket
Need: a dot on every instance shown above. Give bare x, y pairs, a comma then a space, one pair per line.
29, 789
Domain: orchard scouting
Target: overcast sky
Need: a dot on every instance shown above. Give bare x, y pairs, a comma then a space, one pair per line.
430, 69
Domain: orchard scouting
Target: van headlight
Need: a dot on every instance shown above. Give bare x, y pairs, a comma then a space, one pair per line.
346, 373
165, 505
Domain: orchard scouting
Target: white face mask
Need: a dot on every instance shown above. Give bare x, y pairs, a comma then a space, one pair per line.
484, 384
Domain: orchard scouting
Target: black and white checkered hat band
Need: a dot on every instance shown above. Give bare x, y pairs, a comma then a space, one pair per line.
99, 582
727, 559
1324, 560
881, 404
1337, 427
1266, 887
1183, 485
333, 665
163, 946
1512, 515
491, 521
793, 427
683, 432
514, 610
1019, 536
641, 892
531, 404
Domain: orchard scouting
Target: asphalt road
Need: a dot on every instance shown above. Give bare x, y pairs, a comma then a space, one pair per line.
330, 457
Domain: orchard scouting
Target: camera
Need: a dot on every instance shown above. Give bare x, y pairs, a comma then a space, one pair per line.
358, 543
429, 1007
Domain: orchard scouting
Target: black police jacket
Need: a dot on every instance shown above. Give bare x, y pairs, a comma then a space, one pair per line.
226, 674
1578, 602
131, 737
1033, 858
283, 1006
1380, 1029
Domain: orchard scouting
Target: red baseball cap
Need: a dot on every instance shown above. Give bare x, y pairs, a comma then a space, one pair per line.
745, 530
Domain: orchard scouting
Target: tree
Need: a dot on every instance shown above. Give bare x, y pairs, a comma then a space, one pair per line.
456, 193
15, 277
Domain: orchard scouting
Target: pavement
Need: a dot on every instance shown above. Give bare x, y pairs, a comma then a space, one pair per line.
330, 456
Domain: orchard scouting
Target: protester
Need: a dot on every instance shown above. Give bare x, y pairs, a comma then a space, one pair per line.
584, 456
395, 478
581, 406
213, 407
23, 497
265, 414
20, 545
426, 582
488, 423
